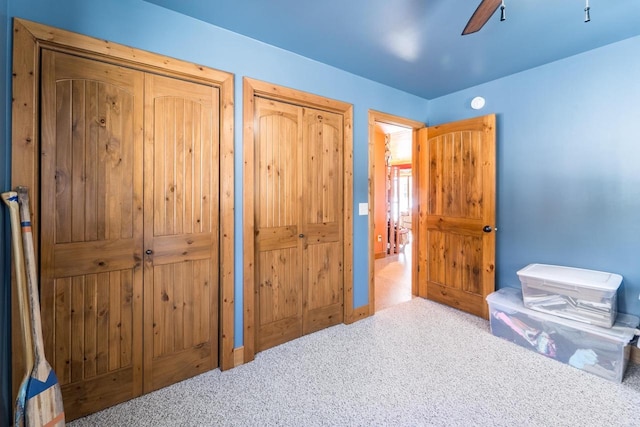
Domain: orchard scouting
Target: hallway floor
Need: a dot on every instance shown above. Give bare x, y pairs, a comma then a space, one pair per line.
393, 279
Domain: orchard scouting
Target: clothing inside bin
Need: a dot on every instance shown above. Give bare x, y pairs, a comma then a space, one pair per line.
573, 293
577, 348
600, 311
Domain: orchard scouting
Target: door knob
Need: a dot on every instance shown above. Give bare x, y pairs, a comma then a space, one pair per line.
487, 229
148, 252
301, 235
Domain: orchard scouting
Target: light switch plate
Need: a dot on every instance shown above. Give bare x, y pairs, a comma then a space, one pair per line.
363, 208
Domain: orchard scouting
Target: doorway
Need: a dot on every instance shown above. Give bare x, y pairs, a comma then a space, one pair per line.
392, 148
452, 214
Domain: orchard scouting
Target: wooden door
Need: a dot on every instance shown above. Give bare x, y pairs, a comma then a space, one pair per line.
456, 250
322, 219
91, 229
181, 230
277, 213
298, 221
125, 153
380, 197
393, 212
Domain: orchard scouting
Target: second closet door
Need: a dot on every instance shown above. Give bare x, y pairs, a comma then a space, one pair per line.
299, 221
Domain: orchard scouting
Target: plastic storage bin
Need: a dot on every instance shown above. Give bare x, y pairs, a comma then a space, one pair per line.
585, 295
600, 351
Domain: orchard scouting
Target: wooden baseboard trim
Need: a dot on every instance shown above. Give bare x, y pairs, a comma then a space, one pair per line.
238, 356
358, 314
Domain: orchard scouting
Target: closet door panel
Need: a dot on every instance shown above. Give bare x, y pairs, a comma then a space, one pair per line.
91, 229
181, 230
277, 215
299, 215
322, 219
280, 313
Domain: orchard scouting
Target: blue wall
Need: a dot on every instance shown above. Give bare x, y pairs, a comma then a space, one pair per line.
568, 163
150, 27
568, 183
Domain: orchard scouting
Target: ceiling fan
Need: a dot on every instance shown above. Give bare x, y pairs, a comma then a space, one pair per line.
485, 10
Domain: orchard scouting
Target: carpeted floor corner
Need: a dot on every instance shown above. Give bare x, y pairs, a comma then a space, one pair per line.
418, 363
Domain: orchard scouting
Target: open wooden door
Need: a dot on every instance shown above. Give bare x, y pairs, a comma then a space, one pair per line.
456, 249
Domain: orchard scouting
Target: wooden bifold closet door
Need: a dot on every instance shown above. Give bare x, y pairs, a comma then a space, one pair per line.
129, 220
181, 230
298, 221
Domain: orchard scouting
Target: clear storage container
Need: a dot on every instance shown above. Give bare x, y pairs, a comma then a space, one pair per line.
584, 295
600, 351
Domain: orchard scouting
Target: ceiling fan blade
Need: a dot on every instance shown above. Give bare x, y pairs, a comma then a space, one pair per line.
481, 16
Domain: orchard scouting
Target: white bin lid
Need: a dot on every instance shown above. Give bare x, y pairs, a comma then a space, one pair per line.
623, 329
591, 279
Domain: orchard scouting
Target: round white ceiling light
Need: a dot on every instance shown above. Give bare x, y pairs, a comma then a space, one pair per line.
477, 103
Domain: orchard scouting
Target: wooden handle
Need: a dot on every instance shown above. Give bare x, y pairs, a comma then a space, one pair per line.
10, 198
41, 369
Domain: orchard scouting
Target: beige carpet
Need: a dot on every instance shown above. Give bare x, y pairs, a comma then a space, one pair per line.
414, 364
